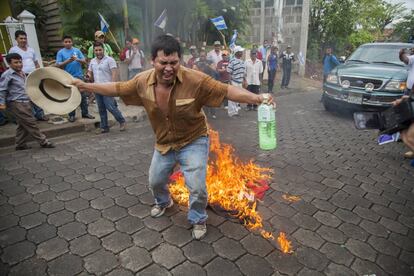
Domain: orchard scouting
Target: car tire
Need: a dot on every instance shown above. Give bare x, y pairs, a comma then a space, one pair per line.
326, 104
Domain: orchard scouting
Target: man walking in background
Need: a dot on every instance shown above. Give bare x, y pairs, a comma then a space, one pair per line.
254, 68
237, 70
215, 54
30, 63
329, 62
103, 69
71, 60
194, 57
135, 59
271, 68
287, 59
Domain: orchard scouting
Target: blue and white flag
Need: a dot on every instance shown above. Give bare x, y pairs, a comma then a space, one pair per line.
161, 22
219, 23
233, 40
104, 24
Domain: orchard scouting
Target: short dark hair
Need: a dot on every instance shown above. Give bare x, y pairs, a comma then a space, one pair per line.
165, 43
11, 56
67, 37
97, 44
19, 32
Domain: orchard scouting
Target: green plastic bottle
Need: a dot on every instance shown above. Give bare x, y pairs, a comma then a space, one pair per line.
266, 116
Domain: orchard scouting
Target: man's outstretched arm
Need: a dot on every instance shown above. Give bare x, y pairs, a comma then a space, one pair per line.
238, 94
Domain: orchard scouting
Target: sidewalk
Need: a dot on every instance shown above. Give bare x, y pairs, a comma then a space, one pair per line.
132, 114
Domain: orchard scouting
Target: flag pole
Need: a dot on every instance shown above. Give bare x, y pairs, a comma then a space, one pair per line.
113, 38
224, 38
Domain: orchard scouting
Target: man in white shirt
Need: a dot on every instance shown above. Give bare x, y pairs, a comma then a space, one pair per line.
215, 54
103, 69
254, 67
135, 59
30, 63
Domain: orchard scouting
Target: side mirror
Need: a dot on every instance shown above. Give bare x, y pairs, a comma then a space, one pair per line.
342, 59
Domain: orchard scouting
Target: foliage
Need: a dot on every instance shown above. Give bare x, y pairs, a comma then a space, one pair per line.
405, 28
360, 37
33, 6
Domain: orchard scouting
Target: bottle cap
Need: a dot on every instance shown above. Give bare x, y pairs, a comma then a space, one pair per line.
266, 97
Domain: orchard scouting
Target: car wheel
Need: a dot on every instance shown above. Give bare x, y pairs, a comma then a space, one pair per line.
326, 104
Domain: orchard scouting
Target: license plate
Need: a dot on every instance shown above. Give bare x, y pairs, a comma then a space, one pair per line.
354, 98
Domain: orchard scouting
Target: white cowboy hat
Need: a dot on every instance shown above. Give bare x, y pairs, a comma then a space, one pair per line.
51, 89
238, 49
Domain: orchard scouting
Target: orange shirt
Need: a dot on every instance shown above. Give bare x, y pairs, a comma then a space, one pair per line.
186, 120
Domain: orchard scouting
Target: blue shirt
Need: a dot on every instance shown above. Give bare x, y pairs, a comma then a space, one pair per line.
74, 68
329, 63
272, 60
12, 87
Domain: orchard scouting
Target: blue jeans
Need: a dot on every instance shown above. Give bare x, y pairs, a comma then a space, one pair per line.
3, 118
193, 162
83, 105
38, 113
133, 72
105, 104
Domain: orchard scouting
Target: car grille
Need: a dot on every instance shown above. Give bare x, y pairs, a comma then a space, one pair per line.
361, 82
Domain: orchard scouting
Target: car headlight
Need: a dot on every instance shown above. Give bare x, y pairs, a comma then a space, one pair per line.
332, 79
396, 86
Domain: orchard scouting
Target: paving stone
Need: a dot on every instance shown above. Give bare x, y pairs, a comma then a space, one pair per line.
136, 190
12, 235
116, 242
67, 264
254, 265
374, 228
91, 194
363, 267
284, 263
366, 214
283, 209
228, 248
114, 192
199, 252
26, 208
44, 197
327, 219
331, 234
177, 236
60, 218
37, 189
126, 200
308, 238
311, 258
384, 246
120, 272
52, 248
72, 230
103, 184
338, 270
233, 230
8, 221
101, 227
402, 241
102, 203
394, 226
100, 262
60, 187
406, 221
41, 233
154, 269
188, 269
32, 220
347, 216
147, 238
337, 253
81, 186
393, 266
20, 199
157, 224
135, 258
114, 213
51, 207
361, 249
323, 205
309, 272
168, 255
32, 267
88, 215
146, 198
84, 245
407, 257
129, 224
180, 219
18, 252
305, 221
356, 232
221, 267
334, 183
76, 205
139, 210
257, 245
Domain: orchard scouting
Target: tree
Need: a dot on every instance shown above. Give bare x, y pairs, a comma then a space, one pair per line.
404, 29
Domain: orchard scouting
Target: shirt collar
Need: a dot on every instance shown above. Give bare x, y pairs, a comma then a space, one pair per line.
152, 79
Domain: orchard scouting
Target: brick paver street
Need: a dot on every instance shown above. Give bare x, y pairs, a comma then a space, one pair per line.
83, 208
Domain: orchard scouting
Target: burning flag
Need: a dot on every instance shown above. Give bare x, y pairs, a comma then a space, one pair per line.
232, 186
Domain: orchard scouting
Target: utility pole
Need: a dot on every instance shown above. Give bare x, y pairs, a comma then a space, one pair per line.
125, 14
262, 20
304, 35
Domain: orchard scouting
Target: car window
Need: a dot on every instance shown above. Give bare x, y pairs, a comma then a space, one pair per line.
377, 53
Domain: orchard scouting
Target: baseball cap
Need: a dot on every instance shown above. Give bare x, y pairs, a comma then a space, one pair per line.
99, 33
193, 47
217, 42
135, 40
238, 49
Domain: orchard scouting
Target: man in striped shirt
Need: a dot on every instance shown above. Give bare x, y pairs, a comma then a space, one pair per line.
237, 70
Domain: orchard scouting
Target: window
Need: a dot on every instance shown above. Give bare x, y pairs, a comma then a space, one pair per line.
290, 2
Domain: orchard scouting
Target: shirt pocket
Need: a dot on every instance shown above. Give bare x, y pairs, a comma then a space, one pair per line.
185, 107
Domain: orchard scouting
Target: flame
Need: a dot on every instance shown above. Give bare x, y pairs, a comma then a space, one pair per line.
284, 244
232, 185
291, 198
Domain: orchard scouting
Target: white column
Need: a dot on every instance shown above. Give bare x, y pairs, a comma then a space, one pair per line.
304, 35
262, 21
12, 27
27, 19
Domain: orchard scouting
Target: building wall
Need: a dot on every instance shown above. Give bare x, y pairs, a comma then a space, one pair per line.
53, 28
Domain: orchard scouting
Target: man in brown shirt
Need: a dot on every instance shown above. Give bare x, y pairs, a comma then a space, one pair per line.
173, 97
